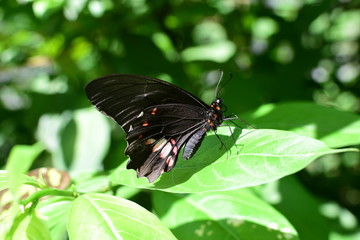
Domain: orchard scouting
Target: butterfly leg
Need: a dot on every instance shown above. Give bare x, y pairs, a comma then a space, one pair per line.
232, 136
222, 144
233, 116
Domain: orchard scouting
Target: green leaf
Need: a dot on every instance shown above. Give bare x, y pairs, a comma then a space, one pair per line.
287, 193
32, 181
100, 216
236, 214
20, 159
9, 209
324, 215
93, 132
83, 137
218, 52
92, 183
29, 226
56, 210
260, 156
333, 127
3, 180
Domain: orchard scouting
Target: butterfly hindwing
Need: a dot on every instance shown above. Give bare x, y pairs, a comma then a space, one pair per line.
155, 131
155, 156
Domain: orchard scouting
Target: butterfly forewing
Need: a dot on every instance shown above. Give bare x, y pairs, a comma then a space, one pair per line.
124, 96
157, 117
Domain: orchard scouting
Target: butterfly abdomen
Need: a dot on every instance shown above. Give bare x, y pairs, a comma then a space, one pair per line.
193, 144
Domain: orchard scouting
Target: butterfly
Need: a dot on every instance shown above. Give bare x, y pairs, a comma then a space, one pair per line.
158, 118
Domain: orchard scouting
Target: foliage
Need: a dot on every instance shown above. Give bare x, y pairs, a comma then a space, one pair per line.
295, 76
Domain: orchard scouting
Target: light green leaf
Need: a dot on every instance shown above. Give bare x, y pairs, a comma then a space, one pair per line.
260, 156
3, 180
236, 214
333, 127
56, 210
217, 52
9, 209
20, 159
92, 183
83, 137
92, 142
25, 179
100, 216
29, 226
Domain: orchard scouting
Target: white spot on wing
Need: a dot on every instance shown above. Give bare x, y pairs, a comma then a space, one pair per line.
159, 145
170, 161
166, 150
140, 115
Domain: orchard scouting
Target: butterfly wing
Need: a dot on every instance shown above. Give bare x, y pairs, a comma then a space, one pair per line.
157, 117
155, 140
123, 96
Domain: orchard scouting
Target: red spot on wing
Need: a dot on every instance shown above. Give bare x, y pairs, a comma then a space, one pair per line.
153, 112
175, 150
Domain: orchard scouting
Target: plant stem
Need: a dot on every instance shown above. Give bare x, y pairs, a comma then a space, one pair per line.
45, 192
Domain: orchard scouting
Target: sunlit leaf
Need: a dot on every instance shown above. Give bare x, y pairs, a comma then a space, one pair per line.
3, 180
221, 215
29, 226
217, 52
100, 216
333, 127
259, 156
19, 162
83, 137
56, 210
92, 140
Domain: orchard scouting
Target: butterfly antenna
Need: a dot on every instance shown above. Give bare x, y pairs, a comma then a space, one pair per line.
218, 84
218, 87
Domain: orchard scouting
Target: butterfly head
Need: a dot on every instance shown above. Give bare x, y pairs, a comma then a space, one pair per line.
215, 113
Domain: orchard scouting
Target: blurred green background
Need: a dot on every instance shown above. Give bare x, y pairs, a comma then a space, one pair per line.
277, 51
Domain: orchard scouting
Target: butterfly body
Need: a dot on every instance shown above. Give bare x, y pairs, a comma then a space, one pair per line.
158, 118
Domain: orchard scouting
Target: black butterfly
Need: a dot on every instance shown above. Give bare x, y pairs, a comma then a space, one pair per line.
157, 117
